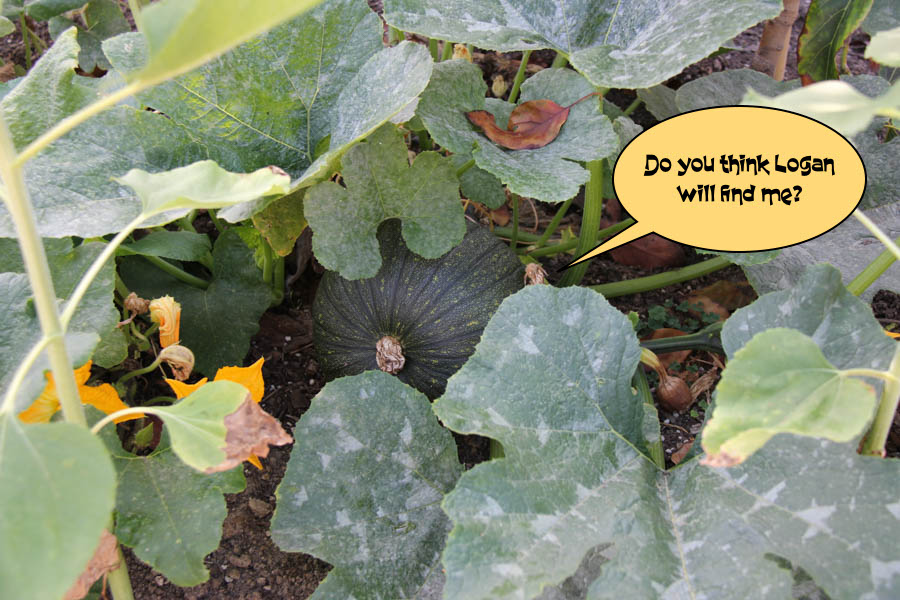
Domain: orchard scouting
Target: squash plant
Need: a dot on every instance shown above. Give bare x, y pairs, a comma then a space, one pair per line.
247, 113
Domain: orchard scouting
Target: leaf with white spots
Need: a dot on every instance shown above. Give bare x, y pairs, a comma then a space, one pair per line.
550, 173
363, 489
574, 510
613, 43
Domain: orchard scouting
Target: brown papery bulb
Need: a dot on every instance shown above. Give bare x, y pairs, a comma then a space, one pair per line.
674, 394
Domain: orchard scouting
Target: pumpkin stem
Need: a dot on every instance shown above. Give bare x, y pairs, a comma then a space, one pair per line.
389, 355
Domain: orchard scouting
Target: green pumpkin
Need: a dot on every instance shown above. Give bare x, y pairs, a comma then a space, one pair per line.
435, 309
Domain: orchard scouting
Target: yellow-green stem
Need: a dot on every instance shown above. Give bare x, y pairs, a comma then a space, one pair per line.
559, 61
590, 222
25, 41
447, 52
514, 238
465, 167
179, 274
520, 77
551, 228
570, 245
72, 121
134, 410
887, 408
652, 282
433, 48
632, 107
136, 6
877, 232
119, 581
32, 248
86, 280
872, 272
143, 371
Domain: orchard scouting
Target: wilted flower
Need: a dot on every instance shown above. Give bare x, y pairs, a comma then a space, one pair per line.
249, 377
461, 51
180, 358
103, 397
167, 313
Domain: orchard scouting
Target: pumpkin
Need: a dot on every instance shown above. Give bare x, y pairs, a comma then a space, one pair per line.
418, 318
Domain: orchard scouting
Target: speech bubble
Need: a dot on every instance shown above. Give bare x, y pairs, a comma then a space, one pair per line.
736, 179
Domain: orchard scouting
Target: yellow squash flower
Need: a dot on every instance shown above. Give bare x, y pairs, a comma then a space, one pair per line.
167, 313
103, 397
250, 377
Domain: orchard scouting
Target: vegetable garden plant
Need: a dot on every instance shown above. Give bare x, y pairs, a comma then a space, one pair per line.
276, 115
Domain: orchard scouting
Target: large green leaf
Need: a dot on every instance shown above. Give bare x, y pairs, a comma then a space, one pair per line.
103, 19
828, 24
57, 488
168, 513
183, 34
363, 489
850, 247
20, 328
380, 185
615, 44
780, 382
549, 173
320, 78
180, 245
573, 497
216, 323
819, 306
838, 104
885, 47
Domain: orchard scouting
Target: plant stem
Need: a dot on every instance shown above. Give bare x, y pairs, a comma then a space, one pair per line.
268, 265
639, 382
496, 450
35, 259
433, 48
142, 371
877, 232
465, 167
179, 274
560, 61
136, 6
98, 263
119, 581
887, 408
26, 42
551, 228
633, 106
216, 221
872, 272
395, 36
72, 121
514, 238
134, 410
520, 77
187, 221
447, 52
571, 244
278, 281
874, 373
590, 221
707, 339
652, 282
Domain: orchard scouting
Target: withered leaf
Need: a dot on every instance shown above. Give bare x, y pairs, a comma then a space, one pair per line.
532, 124
105, 560
649, 252
250, 432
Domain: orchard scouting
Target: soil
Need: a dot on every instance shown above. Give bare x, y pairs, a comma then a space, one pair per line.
247, 564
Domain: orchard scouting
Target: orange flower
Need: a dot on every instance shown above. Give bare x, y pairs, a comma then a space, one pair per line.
250, 377
102, 397
167, 313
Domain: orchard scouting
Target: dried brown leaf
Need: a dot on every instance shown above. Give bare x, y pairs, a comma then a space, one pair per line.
532, 124
704, 383
250, 432
730, 294
105, 560
682, 451
706, 306
649, 252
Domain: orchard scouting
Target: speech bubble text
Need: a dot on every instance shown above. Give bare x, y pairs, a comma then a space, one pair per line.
736, 179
